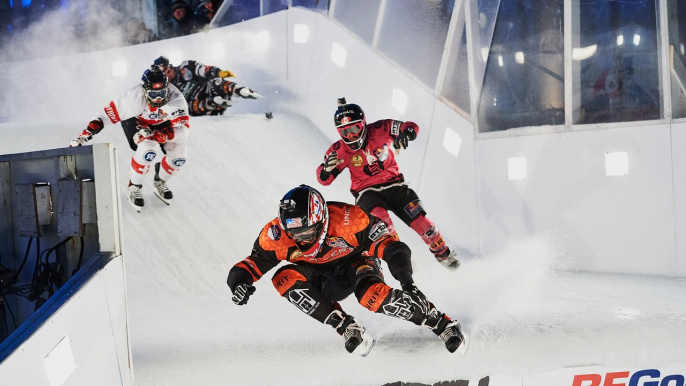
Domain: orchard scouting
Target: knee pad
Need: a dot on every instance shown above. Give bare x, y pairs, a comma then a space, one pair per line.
384, 216
372, 294
287, 278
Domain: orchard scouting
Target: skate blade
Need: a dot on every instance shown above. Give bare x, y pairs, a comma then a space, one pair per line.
464, 345
135, 207
366, 346
161, 197
450, 265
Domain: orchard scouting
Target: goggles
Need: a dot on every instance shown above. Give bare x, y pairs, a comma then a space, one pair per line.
306, 235
352, 131
154, 94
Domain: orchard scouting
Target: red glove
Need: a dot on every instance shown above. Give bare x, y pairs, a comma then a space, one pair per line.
159, 135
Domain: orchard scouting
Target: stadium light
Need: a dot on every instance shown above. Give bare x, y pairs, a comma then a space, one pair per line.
399, 101
338, 54
452, 141
519, 57
262, 40
616, 164
59, 363
175, 58
301, 33
516, 168
217, 50
119, 68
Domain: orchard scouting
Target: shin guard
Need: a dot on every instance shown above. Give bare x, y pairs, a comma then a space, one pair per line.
431, 236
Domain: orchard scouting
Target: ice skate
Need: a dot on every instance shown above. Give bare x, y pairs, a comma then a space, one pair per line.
135, 196
449, 331
161, 189
356, 339
448, 259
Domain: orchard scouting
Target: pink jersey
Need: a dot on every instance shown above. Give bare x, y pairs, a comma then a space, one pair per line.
374, 164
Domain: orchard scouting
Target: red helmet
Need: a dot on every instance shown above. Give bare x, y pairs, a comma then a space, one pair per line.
304, 217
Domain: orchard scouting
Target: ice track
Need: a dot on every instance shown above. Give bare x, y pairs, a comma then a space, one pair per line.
525, 314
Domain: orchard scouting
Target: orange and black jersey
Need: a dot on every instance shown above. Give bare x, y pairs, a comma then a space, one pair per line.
352, 233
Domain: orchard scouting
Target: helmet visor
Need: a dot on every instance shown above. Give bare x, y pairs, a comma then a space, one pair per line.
352, 131
154, 94
305, 235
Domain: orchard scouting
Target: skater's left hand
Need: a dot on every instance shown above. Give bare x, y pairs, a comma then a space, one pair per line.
226, 74
142, 134
402, 140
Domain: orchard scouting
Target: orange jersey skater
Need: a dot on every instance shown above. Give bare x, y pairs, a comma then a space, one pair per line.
333, 250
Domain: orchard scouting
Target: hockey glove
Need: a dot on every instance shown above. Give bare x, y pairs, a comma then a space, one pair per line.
159, 136
402, 140
226, 74
82, 139
242, 293
332, 161
93, 128
247, 93
142, 134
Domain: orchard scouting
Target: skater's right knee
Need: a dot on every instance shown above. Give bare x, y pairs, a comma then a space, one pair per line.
286, 278
371, 292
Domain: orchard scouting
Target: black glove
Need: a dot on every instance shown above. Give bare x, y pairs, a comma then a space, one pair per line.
331, 161
242, 293
403, 139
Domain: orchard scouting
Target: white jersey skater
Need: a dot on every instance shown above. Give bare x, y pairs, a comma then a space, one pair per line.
133, 104
156, 114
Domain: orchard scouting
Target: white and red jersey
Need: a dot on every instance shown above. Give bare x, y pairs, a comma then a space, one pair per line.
133, 104
372, 165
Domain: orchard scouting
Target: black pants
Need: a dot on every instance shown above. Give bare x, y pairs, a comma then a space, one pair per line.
313, 289
131, 127
400, 200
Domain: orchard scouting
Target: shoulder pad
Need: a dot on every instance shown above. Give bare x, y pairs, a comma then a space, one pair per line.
272, 238
346, 220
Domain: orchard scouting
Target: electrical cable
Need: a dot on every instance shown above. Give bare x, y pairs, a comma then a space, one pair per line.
80, 255
14, 320
26, 257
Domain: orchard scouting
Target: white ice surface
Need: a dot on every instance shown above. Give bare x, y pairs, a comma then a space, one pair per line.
524, 312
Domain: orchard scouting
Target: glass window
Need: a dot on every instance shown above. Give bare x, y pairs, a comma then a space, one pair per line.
524, 80
359, 16
677, 41
455, 88
317, 5
241, 10
616, 63
413, 35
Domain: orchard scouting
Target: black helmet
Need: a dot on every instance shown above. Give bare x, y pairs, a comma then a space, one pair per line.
304, 217
156, 87
351, 124
162, 62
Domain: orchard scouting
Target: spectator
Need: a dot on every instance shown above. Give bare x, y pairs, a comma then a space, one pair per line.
184, 21
206, 9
